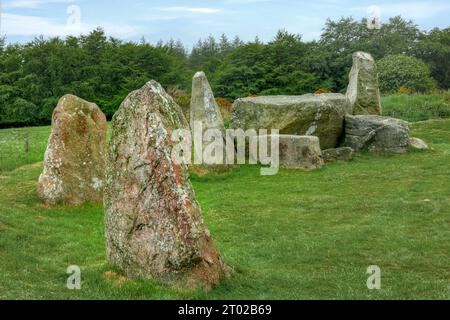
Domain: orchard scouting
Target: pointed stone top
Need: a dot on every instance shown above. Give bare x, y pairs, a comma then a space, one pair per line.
363, 55
200, 74
156, 87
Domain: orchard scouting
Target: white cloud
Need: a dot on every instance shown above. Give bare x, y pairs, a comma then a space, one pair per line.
192, 10
33, 4
22, 25
410, 10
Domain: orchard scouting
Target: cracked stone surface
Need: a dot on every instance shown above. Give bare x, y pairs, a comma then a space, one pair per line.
377, 134
339, 154
308, 115
298, 152
154, 226
74, 162
363, 91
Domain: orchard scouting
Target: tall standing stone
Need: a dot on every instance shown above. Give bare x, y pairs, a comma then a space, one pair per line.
154, 227
74, 162
203, 104
363, 91
204, 108
205, 111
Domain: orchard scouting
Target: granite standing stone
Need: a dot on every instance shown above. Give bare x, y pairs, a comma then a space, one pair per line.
74, 163
154, 226
363, 91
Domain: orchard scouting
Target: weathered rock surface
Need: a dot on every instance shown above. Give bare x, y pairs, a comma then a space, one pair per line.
312, 115
363, 91
154, 227
418, 144
74, 163
204, 108
298, 152
338, 154
377, 134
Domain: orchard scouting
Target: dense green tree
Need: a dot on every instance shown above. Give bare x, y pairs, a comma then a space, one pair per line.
397, 71
434, 48
104, 70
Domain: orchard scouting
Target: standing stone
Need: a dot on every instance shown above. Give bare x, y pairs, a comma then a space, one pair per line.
204, 110
204, 107
377, 134
154, 227
363, 91
74, 162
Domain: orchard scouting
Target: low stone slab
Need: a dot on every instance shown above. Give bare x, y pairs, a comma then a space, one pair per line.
340, 154
377, 134
418, 144
74, 164
298, 152
311, 115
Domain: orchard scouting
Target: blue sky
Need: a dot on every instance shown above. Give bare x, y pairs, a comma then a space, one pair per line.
194, 19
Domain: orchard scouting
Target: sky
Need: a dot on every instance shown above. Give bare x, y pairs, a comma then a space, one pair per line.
188, 21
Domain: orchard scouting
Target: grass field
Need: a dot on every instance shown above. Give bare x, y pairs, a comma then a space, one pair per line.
417, 107
296, 235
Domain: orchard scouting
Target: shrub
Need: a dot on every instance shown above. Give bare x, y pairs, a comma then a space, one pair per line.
397, 71
225, 107
321, 91
403, 90
182, 98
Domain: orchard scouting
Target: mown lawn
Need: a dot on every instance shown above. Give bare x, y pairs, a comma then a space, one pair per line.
296, 235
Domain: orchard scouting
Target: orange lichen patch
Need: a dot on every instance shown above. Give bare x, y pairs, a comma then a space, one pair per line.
321, 91
187, 204
179, 179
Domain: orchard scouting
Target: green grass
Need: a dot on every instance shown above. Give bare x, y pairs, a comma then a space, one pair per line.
12, 149
296, 235
417, 107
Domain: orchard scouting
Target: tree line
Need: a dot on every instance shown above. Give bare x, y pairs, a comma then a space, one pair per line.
102, 69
